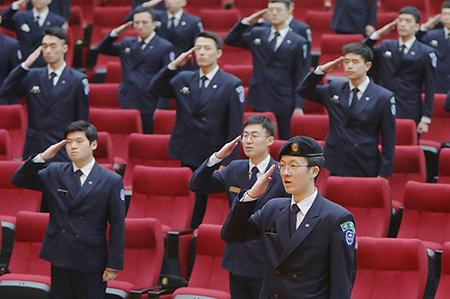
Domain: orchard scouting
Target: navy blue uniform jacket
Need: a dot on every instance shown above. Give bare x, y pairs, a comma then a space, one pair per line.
351, 147
138, 68
10, 55
76, 234
241, 259
28, 32
203, 122
353, 16
50, 108
407, 76
318, 261
276, 75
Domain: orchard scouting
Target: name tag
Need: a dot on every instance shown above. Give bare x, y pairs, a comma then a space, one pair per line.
234, 189
63, 192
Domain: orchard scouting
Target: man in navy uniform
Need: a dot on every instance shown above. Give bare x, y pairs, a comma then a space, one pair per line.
30, 25
56, 95
10, 55
85, 200
439, 40
360, 111
209, 107
280, 60
141, 59
59, 7
243, 261
354, 16
407, 68
309, 242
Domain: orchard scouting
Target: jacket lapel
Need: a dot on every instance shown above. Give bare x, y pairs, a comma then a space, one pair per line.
209, 91
310, 221
142, 54
46, 88
364, 101
91, 181
55, 91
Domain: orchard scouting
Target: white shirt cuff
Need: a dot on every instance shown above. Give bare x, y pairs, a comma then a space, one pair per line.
423, 28
38, 159
426, 120
248, 198
245, 22
171, 67
318, 71
113, 33
22, 65
15, 6
213, 160
374, 36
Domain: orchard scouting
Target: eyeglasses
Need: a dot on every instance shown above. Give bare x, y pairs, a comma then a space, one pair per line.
251, 136
290, 168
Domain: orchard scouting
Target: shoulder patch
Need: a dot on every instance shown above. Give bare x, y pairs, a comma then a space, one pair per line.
172, 56
86, 86
433, 58
122, 194
393, 108
19, 54
348, 228
240, 91
309, 35
305, 51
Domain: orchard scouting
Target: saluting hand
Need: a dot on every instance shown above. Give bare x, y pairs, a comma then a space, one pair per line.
122, 28
22, 2
261, 184
331, 65
432, 21
183, 58
52, 150
32, 57
228, 148
151, 3
253, 18
387, 28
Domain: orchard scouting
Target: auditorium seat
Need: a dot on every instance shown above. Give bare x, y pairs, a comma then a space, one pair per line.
311, 107
29, 275
143, 256
390, 269
406, 132
395, 6
443, 290
113, 72
217, 209
104, 152
77, 23
194, 6
164, 121
383, 18
147, 150
12, 119
438, 130
368, 199
409, 165
119, 123
234, 55
107, 18
87, 6
320, 24
242, 71
312, 125
5, 145
248, 7
303, 6
269, 115
208, 278
219, 21
163, 193
104, 95
426, 214
444, 166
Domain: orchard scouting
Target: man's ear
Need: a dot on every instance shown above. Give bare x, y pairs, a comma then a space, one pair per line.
94, 145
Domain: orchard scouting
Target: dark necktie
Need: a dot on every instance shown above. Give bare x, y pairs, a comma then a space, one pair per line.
448, 36
402, 49
273, 42
203, 80
293, 218
253, 177
354, 98
51, 76
142, 45
78, 173
171, 23
36, 19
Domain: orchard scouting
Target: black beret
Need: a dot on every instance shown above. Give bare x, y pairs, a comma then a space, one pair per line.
301, 146
288, 2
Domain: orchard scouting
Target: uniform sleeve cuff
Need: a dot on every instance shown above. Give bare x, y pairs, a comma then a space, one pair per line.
113, 33
247, 198
22, 65
213, 160
374, 36
15, 6
425, 120
244, 21
38, 159
318, 71
171, 67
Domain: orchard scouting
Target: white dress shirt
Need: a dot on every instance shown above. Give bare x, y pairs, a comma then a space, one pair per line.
304, 206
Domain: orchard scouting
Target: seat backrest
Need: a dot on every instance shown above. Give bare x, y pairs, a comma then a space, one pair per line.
310, 107
320, 24
148, 150
30, 230
113, 72
12, 119
444, 166
395, 6
104, 152
269, 115
234, 55
303, 6
368, 199
443, 290
426, 214
390, 268
331, 45
162, 193
217, 209
13, 199
164, 121
105, 18
312, 125
221, 20
438, 130
5, 145
247, 7
103, 95
243, 72
409, 165
406, 132
144, 251
119, 123
208, 272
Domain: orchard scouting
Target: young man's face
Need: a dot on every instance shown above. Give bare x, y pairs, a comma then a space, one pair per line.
445, 17
406, 25
143, 24
78, 147
40, 4
206, 52
53, 49
278, 13
297, 177
355, 67
174, 5
256, 141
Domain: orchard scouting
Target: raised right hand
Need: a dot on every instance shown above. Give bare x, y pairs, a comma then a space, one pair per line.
253, 18
151, 3
331, 65
261, 184
52, 150
32, 57
21, 3
183, 58
387, 28
122, 28
228, 148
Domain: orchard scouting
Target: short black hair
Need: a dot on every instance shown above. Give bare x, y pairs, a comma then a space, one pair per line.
445, 4
287, 2
83, 126
265, 122
359, 49
315, 161
142, 9
211, 35
56, 31
411, 10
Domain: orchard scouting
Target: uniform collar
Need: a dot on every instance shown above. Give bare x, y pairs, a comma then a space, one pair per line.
58, 71
211, 74
408, 44
42, 15
86, 169
306, 203
148, 39
283, 32
177, 15
362, 87
446, 32
262, 166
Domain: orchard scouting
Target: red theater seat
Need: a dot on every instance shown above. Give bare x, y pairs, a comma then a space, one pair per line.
104, 95
5, 145
164, 121
234, 55
247, 7
219, 21
217, 209
320, 24
113, 72
443, 290
12, 119
104, 152
312, 125
243, 72
444, 166
439, 127
406, 132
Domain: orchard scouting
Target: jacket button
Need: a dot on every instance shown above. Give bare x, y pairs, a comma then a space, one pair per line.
63, 230
203, 118
355, 145
78, 236
294, 275
277, 272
